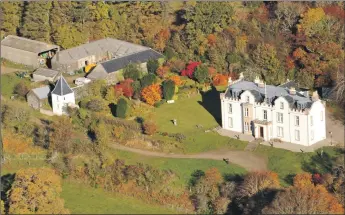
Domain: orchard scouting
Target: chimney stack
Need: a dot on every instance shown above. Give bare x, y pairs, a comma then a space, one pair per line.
241, 76
292, 91
315, 96
261, 84
229, 81
257, 80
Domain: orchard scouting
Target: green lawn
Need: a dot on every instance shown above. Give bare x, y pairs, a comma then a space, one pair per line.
182, 167
81, 199
8, 82
203, 110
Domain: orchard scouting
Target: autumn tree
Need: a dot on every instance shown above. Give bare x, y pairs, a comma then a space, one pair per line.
152, 66
61, 138
17, 117
132, 71
149, 127
152, 94
208, 193
265, 56
21, 89
254, 192
162, 71
125, 87
201, 74
176, 79
304, 200
168, 89
190, 69
36, 191
10, 18
36, 21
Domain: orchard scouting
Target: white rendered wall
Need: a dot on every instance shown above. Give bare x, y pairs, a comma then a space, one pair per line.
59, 101
319, 126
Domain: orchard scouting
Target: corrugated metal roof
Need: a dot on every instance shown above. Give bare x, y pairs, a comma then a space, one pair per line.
62, 87
42, 92
27, 44
119, 63
117, 48
46, 72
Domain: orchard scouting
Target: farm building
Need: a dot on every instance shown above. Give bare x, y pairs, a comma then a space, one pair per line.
36, 97
42, 74
111, 70
76, 58
28, 52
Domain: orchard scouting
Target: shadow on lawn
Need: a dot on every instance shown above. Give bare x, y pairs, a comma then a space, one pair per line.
324, 162
211, 102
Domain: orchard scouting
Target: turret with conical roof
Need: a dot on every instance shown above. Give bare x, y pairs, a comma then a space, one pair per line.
62, 88
62, 96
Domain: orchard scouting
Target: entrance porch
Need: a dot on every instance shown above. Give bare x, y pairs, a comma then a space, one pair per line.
262, 129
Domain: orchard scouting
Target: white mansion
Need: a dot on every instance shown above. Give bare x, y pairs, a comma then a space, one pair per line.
273, 112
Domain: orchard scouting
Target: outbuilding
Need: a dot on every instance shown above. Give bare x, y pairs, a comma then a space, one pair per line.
42, 74
98, 51
28, 52
36, 97
111, 70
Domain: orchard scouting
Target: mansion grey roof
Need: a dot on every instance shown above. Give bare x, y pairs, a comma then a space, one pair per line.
46, 72
62, 87
298, 100
117, 48
42, 92
139, 57
27, 44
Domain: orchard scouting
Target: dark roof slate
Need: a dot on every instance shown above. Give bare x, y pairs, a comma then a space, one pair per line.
119, 63
62, 88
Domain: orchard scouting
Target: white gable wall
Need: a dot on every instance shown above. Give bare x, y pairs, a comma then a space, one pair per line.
319, 123
60, 103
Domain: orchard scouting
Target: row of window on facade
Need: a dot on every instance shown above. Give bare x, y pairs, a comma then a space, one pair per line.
279, 116
280, 130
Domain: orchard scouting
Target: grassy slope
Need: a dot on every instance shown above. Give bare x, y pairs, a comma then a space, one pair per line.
182, 167
199, 110
8, 82
81, 199
287, 163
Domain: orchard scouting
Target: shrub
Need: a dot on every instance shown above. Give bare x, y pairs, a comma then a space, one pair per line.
21, 89
163, 71
189, 71
168, 89
132, 72
147, 80
125, 87
122, 108
158, 104
149, 127
152, 66
177, 80
136, 89
95, 104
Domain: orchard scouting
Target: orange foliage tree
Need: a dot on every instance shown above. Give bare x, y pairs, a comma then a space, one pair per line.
161, 39
211, 39
220, 80
304, 200
303, 180
177, 80
36, 190
152, 94
162, 71
256, 182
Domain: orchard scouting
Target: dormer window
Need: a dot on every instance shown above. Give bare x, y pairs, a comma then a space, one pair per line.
282, 105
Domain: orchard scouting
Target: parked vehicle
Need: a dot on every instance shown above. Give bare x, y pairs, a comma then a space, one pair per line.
82, 81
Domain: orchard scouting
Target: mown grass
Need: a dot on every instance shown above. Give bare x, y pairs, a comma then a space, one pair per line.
80, 199
183, 168
202, 111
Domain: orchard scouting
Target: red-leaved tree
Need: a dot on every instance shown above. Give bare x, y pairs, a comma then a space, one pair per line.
190, 69
125, 87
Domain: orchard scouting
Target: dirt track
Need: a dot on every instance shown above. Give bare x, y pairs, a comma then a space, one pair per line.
247, 160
